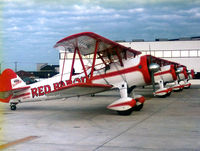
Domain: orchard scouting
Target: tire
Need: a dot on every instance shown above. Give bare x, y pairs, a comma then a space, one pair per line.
178, 90
186, 87
139, 107
166, 95
125, 113
13, 107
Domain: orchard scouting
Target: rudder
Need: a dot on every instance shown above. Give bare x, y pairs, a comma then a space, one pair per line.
9, 81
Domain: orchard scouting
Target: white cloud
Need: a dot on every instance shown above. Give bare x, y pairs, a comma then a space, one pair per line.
193, 12
136, 10
19, 11
189, 11
81, 9
197, 15
167, 17
14, 28
42, 20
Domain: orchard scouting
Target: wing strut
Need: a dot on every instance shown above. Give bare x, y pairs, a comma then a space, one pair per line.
72, 67
101, 58
80, 57
63, 65
120, 58
94, 59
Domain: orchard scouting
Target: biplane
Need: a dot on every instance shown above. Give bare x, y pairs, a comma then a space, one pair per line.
120, 68
168, 73
184, 76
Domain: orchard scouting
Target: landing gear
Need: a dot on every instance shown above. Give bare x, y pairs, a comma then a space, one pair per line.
127, 112
126, 105
179, 90
92, 95
13, 107
164, 96
139, 107
187, 87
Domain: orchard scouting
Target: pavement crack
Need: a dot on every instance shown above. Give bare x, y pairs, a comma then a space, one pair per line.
134, 125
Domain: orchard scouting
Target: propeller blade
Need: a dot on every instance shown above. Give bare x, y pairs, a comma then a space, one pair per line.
153, 67
153, 81
178, 71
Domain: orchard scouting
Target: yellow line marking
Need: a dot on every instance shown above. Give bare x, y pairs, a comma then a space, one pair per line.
19, 141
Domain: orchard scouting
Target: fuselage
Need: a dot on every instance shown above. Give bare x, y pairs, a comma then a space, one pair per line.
134, 72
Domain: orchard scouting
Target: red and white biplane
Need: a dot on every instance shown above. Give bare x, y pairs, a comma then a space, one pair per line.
120, 68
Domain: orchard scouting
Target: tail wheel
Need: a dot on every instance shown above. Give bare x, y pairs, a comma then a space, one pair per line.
13, 107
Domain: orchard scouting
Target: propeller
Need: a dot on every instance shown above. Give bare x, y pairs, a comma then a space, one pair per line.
153, 67
178, 71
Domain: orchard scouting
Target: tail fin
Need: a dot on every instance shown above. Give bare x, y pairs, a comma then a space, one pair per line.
9, 80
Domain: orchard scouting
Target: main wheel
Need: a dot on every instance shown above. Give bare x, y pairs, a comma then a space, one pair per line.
186, 87
139, 107
127, 112
13, 107
178, 90
164, 96
168, 94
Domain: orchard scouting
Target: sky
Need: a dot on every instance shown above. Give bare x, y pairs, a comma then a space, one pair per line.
30, 28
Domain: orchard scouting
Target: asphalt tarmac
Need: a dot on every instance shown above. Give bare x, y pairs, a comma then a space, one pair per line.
84, 124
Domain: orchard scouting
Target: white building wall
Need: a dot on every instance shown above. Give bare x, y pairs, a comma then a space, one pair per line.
163, 45
183, 52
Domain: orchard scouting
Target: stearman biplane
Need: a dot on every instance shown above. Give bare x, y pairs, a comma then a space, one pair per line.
120, 68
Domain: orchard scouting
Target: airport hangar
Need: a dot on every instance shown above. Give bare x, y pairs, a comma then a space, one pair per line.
185, 51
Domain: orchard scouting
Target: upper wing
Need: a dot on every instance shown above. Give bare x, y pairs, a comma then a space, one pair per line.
86, 42
79, 89
161, 61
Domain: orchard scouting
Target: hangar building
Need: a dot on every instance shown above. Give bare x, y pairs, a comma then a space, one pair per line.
185, 51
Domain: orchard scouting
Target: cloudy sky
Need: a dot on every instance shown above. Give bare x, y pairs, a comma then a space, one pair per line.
30, 28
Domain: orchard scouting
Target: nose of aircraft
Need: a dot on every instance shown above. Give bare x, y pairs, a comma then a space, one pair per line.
154, 67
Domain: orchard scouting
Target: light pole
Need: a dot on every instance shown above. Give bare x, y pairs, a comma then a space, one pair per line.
15, 66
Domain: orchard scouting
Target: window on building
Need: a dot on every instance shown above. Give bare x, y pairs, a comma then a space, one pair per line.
167, 53
184, 53
150, 53
62, 55
144, 52
159, 53
176, 54
193, 53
